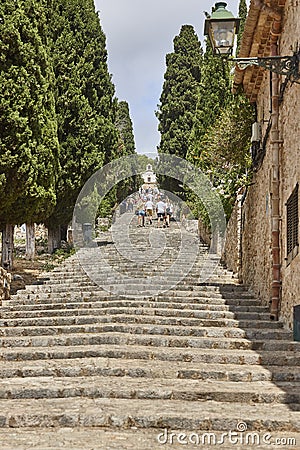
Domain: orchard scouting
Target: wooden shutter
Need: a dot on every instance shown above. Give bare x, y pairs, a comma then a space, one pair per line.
292, 225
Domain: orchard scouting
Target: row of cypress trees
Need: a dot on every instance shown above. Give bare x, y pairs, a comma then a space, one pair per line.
58, 113
201, 120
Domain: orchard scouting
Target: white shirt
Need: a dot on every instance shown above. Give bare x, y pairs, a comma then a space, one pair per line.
149, 205
161, 206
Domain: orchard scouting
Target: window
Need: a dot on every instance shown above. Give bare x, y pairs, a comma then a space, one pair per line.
149, 179
292, 243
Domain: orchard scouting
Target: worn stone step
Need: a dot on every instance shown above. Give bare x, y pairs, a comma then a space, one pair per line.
71, 324
192, 390
141, 368
92, 318
133, 438
31, 299
117, 308
85, 335
201, 356
87, 324
122, 413
190, 278
127, 307
195, 355
166, 316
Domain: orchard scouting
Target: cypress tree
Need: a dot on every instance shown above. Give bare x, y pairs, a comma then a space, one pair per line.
222, 142
179, 98
125, 129
84, 103
242, 16
214, 94
28, 129
126, 147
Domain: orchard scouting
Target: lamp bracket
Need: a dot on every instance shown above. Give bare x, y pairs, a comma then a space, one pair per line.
283, 65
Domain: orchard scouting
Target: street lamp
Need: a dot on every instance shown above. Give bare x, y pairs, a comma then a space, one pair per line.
221, 28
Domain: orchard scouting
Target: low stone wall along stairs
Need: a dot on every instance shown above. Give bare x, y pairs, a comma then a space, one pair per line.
132, 363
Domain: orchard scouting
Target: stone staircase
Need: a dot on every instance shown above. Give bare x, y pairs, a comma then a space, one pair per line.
134, 360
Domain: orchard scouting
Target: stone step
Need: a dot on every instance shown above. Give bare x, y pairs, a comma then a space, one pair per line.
79, 319
91, 335
186, 284
141, 368
87, 324
191, 390
200, 356
184, 289
123, 307
224, 356
26, 326
133, 438
119, 305
171, 316
48, 297
143, 413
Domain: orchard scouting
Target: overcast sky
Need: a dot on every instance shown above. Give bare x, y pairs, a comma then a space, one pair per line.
139, 34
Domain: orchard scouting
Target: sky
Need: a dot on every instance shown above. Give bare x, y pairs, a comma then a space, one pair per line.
139, 34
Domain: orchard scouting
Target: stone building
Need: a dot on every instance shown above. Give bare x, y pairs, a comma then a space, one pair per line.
149, 178
268, 255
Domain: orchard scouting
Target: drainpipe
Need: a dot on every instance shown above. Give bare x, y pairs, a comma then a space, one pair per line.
275, 202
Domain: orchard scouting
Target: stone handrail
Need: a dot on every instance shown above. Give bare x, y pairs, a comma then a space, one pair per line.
5, 281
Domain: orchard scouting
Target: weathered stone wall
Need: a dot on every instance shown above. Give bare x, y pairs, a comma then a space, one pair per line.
231, 251
256, 258
290, 162
204, 233
5, 281
256, 210
247, 250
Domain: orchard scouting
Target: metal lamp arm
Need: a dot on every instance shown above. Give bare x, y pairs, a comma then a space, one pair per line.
283, 65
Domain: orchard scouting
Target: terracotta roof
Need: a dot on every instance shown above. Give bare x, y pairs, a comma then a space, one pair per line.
256, 42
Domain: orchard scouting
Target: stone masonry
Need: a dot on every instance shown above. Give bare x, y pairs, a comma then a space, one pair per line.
125, 367
264, 18
5, 281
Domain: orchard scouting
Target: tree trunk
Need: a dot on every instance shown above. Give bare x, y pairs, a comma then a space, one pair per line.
70, 238
64, 233
7, 247
54, 238
30, 241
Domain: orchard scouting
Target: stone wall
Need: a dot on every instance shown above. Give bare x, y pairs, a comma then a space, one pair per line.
290, 162
5, 281
256, 229
204, 233
231, 251
256, 257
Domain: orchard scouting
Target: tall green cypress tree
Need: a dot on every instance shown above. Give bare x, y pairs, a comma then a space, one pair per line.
126, 146
214, 94
28, 128
125, 129
222, 139
179, 98
84, 103
242, 16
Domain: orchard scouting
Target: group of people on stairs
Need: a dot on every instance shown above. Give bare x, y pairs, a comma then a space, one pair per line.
162, 210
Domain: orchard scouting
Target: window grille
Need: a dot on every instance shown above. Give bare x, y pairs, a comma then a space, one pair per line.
292, 225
